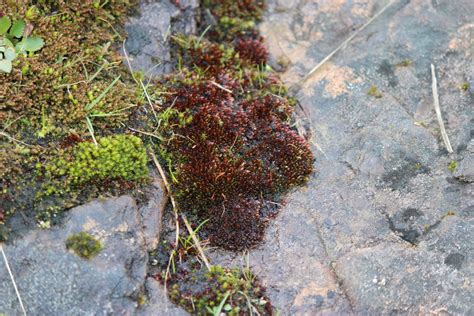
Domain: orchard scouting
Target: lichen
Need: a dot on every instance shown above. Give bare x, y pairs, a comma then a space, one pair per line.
84, 245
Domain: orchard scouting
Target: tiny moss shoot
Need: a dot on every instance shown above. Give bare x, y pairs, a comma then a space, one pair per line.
84, 245
465, 86
405, 63
374, 92
452, 165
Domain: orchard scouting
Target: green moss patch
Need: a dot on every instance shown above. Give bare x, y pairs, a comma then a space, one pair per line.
113, 157
84, 245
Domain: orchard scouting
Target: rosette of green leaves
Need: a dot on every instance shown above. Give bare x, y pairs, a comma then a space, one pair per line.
14, 41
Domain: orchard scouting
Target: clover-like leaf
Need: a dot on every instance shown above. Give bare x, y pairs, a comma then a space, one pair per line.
5, 42
5, 66
33, 44
10, 53
17, 28
5, 24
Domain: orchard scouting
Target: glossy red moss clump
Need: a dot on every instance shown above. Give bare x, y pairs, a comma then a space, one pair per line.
231, 143
252, 50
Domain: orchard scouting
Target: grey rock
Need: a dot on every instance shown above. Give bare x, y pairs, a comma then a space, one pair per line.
383, 227
147, 44
55, 281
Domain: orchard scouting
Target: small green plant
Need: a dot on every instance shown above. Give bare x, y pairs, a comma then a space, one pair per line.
452, 165
374, 92
14, 41
84, 245
465, 86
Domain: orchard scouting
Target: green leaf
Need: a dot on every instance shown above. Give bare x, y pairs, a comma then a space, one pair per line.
17, 28
10, 53
6, 42
5, 66
34, 44
5, 24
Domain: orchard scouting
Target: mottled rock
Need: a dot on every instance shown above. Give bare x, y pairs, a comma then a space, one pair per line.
55, 281
383, 226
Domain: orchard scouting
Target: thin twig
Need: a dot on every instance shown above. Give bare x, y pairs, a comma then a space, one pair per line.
176, 211
438, 110
13, 280
350, 38
14, 139
220, 86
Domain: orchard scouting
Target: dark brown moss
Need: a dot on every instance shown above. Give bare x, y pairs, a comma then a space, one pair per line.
230, 141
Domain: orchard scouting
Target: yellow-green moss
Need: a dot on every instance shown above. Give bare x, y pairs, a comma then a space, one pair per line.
114, 157
452, 165
84, 245
374, 92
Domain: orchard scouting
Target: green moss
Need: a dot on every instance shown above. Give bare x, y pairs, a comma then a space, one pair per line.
218, 291
405, 63
84, 245
465, 86
114, 157
452, 165
374, 92
234, 18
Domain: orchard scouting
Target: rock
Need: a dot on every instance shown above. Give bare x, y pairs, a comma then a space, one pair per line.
55, 281
383, 204
148, 42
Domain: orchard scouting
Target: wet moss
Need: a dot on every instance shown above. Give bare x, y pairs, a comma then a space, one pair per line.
84, 245
113, 157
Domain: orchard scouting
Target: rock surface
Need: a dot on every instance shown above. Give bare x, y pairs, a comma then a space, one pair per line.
55, 281
147, 44
383, 226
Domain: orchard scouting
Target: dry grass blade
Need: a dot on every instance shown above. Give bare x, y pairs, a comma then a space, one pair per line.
13, 280
221, 87
438, 110
142, 86
176, 211
14, 139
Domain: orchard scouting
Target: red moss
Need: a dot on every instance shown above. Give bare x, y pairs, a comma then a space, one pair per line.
238, 150
252, 50
230, 154
237, 224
